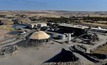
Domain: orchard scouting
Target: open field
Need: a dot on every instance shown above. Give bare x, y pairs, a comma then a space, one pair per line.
6, 27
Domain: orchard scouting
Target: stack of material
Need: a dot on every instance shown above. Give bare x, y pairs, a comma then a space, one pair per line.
64, 56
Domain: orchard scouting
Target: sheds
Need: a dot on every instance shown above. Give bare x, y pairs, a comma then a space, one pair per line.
33, 25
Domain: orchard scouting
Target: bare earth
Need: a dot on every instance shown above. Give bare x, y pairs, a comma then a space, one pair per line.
5, 34
32, 55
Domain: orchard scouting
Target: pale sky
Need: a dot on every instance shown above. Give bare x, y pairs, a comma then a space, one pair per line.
70, 5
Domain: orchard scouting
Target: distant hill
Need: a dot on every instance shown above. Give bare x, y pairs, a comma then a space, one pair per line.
56, 13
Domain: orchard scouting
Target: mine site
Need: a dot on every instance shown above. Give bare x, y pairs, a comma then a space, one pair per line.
53, 32
53, 38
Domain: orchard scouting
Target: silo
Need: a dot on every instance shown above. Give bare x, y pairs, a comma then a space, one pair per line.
69, 38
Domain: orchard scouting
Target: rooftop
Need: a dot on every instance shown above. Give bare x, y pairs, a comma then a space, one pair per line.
75, 26
39, 35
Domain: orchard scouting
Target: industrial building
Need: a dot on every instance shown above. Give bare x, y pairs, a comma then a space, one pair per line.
75, 29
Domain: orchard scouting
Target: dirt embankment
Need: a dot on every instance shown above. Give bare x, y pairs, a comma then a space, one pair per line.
6, 31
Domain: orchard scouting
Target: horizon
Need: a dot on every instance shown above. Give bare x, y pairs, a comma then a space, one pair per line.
53, 10
63, 5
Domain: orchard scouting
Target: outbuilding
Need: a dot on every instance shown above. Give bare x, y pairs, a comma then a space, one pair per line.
38, 38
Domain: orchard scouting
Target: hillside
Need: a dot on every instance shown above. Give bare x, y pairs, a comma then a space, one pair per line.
53, 13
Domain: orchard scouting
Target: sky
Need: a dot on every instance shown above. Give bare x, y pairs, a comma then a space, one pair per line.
68, 5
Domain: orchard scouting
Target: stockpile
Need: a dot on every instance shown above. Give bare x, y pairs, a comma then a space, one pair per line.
64, 63
63, 58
